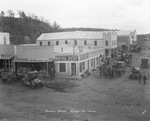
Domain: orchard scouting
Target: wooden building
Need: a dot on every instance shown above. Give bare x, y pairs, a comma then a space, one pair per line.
73, 60
31, 57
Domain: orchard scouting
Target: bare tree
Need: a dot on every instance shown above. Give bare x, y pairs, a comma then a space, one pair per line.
2, 13
10, 13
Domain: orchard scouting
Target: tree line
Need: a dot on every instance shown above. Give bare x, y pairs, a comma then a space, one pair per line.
26, 28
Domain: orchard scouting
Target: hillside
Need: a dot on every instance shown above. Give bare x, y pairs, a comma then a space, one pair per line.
27, 28
24, 30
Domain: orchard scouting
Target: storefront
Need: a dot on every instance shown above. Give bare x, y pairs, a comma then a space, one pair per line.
79, 63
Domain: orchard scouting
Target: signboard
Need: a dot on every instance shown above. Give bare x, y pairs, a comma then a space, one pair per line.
66, 58
84, 56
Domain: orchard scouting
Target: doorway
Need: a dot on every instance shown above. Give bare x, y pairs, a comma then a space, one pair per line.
73, 69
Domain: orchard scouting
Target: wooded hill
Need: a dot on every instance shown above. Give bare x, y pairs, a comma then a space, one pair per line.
27, 28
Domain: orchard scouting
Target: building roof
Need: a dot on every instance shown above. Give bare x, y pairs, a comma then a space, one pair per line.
71, 35
6, 57
123, 33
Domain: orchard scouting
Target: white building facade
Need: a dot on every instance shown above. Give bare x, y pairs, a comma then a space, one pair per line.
4, 38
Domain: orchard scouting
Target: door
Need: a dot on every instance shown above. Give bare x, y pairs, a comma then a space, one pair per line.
73, 69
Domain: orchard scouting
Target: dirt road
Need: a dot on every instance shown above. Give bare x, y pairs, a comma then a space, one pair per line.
91, 99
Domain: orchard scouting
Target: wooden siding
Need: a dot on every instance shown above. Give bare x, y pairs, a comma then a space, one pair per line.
6, 49
34, 52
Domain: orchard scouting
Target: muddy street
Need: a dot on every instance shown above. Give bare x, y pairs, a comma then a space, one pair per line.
93, 98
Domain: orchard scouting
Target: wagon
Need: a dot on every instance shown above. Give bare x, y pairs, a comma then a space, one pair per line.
135, 72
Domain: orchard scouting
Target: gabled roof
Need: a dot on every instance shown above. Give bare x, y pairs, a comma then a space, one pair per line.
71, 35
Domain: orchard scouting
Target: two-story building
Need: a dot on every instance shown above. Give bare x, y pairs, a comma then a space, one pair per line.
71, 60
94, 39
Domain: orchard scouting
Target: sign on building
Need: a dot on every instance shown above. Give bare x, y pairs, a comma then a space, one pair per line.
84, 56
66, 58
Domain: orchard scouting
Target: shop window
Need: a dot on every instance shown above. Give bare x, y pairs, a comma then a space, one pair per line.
95, 43
75, 42
48, 43
62, 67
82, 66
40, 43
57, 42
66, 42
106, 43
85, 42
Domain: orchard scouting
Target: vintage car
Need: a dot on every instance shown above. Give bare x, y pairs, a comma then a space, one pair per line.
32, 79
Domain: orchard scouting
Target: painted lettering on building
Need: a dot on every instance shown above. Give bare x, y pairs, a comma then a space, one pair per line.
66, 58
84, 56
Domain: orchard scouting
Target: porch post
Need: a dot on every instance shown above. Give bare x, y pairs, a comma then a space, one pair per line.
47, 69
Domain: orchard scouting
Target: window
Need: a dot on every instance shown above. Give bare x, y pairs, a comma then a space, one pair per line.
91, 62
48, 43
4, 40
95, 43
106, 43
57, 42
85, 42
66, 42
62, 67
75, 42
40, 43
97, 60
82, 66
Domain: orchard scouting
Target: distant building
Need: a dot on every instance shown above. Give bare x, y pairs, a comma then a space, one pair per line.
94, 39
4, 38
126, 38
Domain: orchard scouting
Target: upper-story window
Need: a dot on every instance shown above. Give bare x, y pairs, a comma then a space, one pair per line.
75, 42
57, 42
85, 42
48, 43
4, 40
40, 43
106, 43
95, 43
66, 42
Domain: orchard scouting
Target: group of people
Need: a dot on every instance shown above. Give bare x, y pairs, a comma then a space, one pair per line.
110, 71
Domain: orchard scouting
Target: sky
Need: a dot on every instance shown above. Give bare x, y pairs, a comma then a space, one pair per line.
109, 14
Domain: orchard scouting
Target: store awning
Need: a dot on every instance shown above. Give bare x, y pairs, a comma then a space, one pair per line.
33, 60
6, 57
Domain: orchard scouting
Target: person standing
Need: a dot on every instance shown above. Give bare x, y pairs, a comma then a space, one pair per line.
139, 78
144, 79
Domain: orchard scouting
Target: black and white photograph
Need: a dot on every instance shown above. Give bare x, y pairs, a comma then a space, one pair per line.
74, 60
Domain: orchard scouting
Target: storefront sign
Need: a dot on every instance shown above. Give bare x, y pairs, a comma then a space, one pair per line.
84, 56
66, 58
